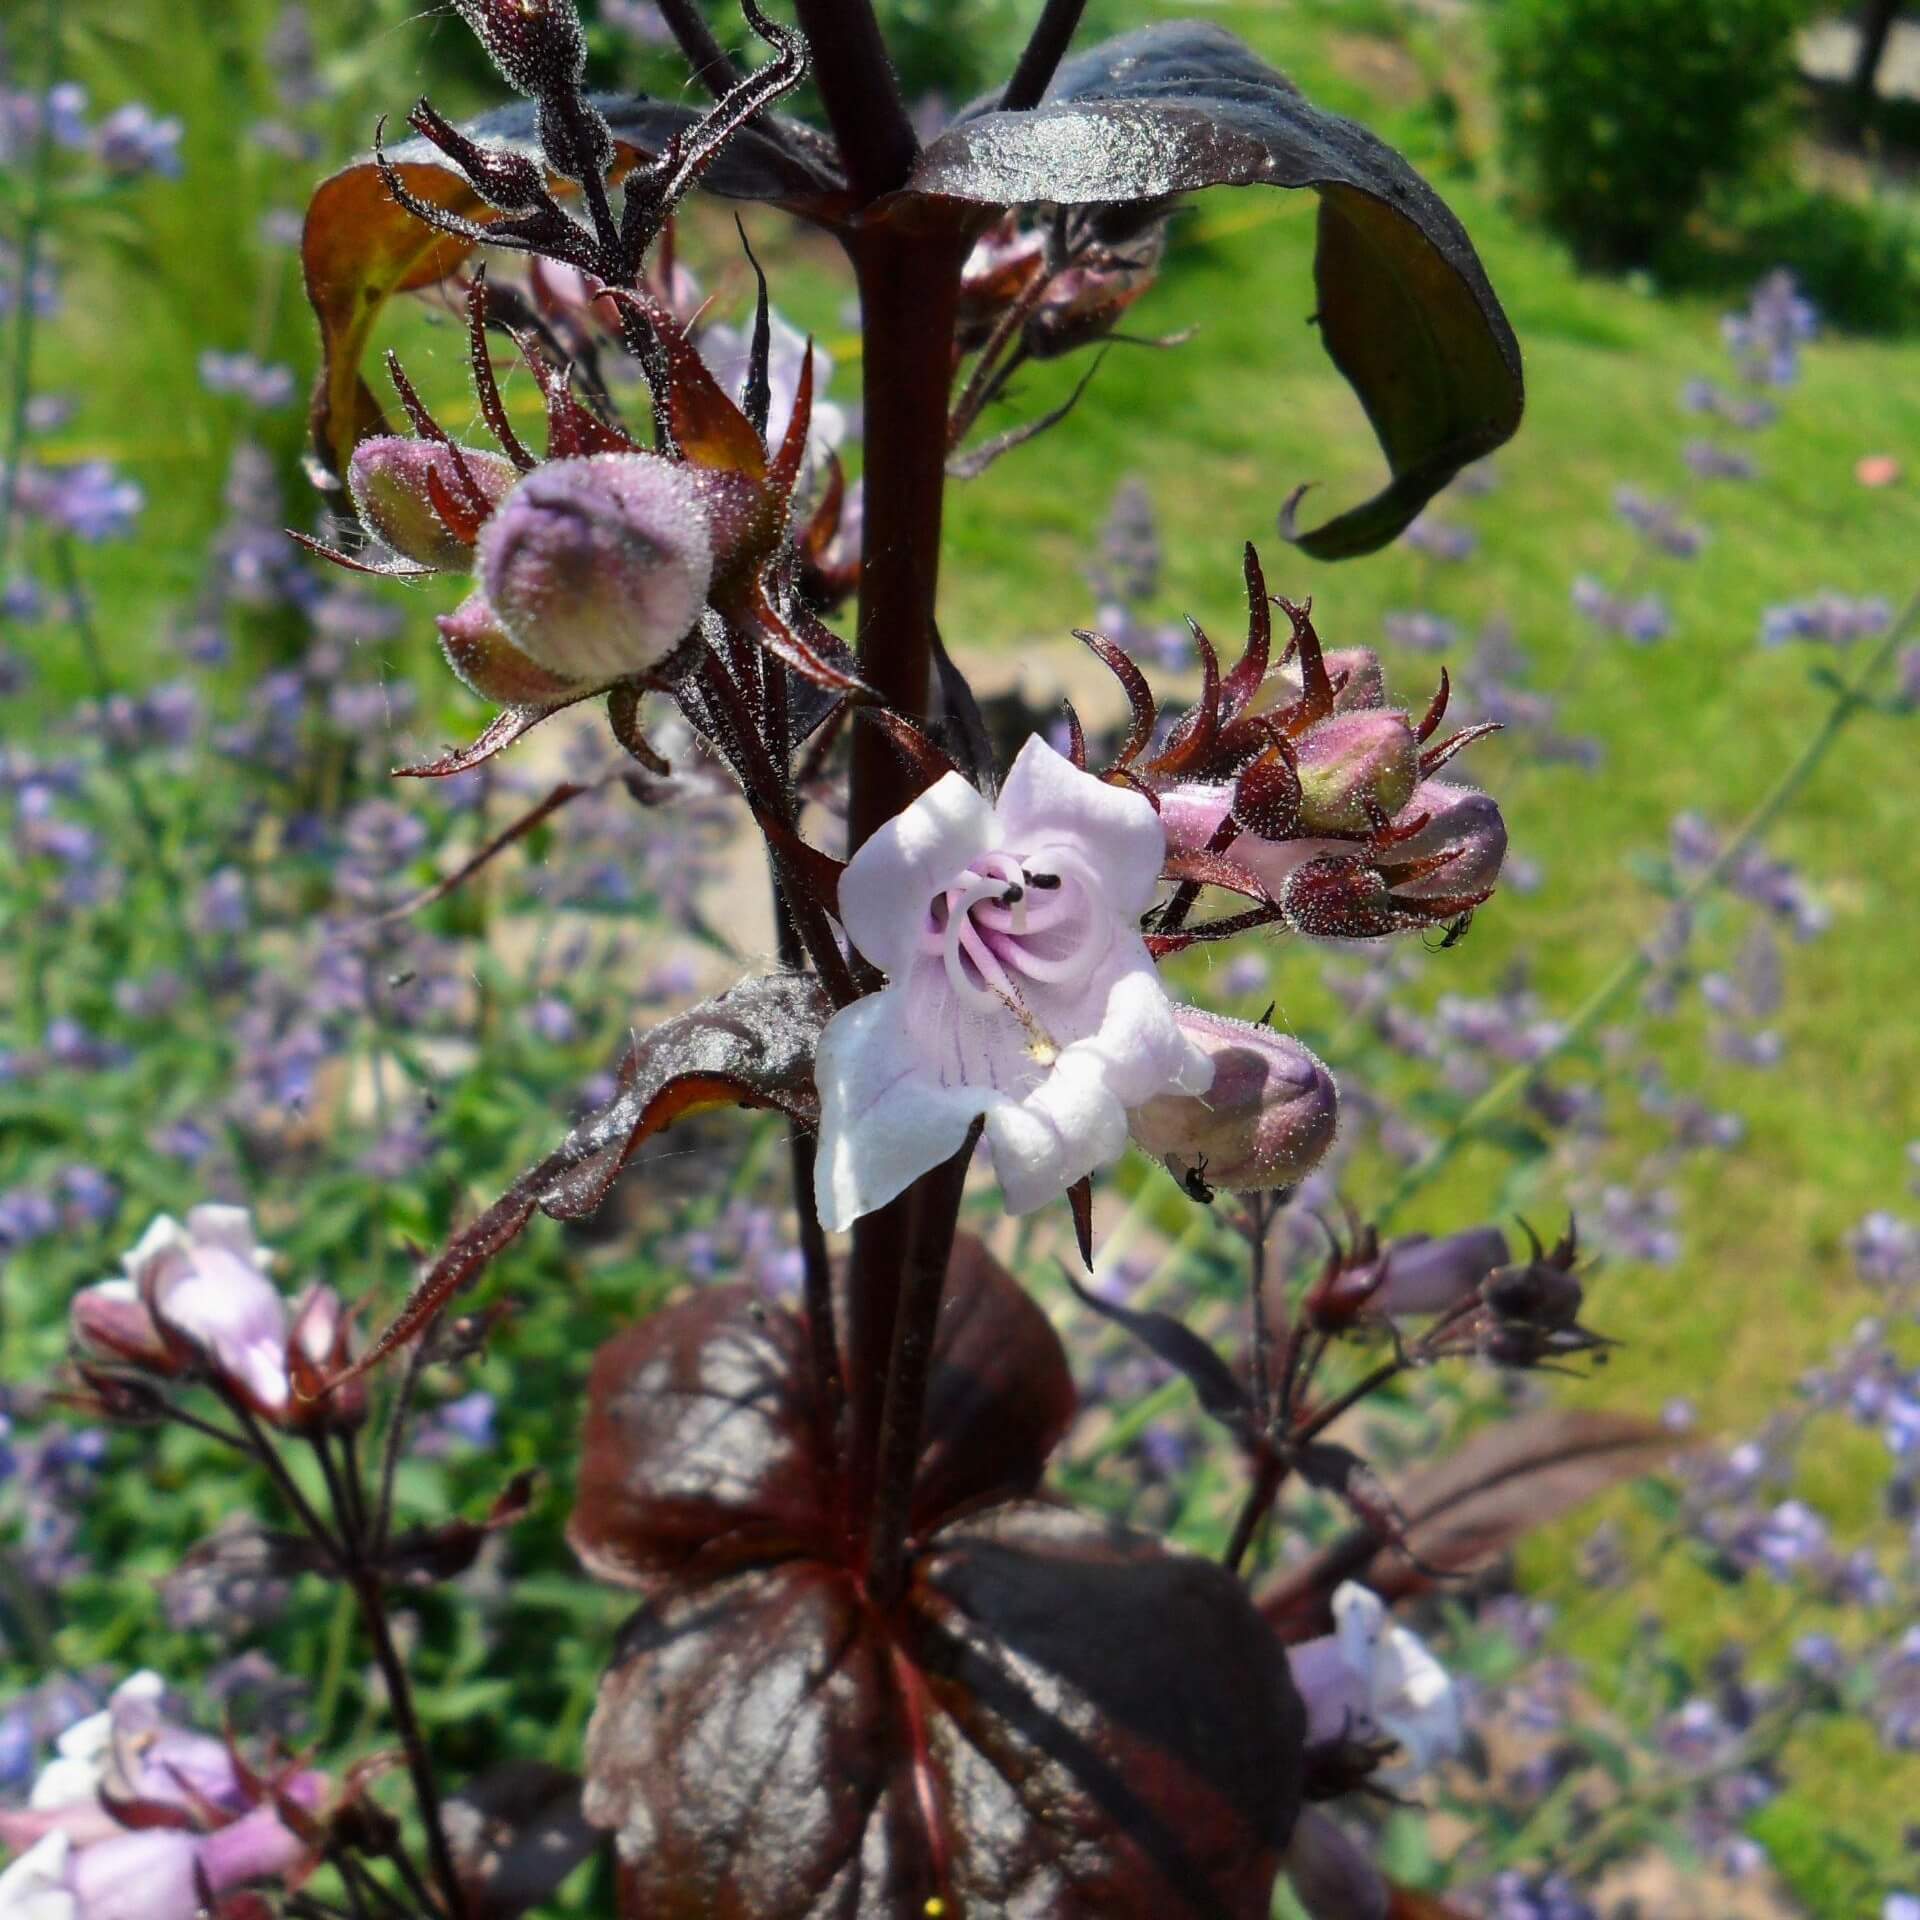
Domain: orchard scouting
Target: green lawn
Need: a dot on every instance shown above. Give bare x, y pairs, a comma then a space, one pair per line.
1221, 430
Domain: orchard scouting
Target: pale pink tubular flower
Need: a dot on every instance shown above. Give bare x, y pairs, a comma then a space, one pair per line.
1019, 988
1371, 1679
205, 1283
195, 1819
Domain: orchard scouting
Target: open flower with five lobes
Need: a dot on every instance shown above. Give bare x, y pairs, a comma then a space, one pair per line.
1370, 1679
1018, 989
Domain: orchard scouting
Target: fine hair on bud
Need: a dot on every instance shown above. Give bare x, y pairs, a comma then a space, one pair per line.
597, 568
388, 479
1353, 765
1267, 1120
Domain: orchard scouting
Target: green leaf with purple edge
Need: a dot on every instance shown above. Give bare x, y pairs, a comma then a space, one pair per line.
1059, 1717
1405, 307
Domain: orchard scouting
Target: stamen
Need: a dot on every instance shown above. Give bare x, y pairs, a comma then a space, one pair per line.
1044, 881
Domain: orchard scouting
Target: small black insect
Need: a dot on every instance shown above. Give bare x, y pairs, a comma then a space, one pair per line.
1455, 933
1195, 1182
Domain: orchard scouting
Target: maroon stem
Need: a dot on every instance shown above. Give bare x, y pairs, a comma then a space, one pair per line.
861, 94
936, 1212
1052, 35
909, 293
909, 298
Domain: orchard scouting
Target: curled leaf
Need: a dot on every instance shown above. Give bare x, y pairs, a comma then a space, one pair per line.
1404, 307
751, 1046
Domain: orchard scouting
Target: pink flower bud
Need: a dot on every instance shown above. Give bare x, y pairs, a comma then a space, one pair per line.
319, 1347
388, 480
109, 1321
1419, 1275
1467, 826
1331, 1876
1267, 1119
481, 655
1354, 671
1353, 764
598, 568
204, 1286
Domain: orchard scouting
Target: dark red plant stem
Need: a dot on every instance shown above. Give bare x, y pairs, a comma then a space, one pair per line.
372, 1599
1323, 1417
936, 1212
909, 296
712, 65
829, 1386
268, 1455
1260, 1498
873, 1290
909, 293
1052, 35
861, 93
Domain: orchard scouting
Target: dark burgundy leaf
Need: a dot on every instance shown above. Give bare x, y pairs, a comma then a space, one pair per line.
1404, 306
751, 1046
360, 246
1122, 1744
1001, 1395
1464, 1512
1065, 1720
425, 1556
699, 1441
517, 1832
1220, 1391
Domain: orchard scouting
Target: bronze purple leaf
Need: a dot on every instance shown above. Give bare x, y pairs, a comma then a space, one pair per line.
1404, 305
1056, 1717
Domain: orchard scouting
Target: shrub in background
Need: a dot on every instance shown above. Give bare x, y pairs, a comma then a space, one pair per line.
1620, 114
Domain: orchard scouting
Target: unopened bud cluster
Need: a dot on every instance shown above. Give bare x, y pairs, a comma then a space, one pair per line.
589, 570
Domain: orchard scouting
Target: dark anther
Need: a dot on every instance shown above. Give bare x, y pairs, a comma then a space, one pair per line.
1013, 896
1044, 882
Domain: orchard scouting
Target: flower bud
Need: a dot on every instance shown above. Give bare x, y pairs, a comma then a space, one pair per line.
1536, 1294
210, 1299
318, 1347
1467, 825
1420, 1275
110, 1322
1353, 765
1354, 671
1331, 1876
481, 655
1267, 1119
598, 567
387, 478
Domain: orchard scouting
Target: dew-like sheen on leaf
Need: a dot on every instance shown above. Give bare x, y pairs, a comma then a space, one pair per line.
1060, 1719
1405, 307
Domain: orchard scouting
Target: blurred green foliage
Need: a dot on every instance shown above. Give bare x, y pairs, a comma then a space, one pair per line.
1619, 114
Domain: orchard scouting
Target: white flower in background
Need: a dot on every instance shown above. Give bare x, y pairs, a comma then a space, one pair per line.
1370, 1679
1019, 988
34, 1887
202, 1820
728, 351
207, 1283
